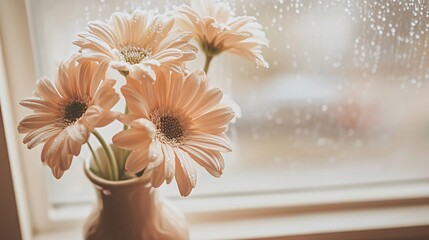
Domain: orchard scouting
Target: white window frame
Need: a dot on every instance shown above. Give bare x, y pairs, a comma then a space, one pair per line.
399, 209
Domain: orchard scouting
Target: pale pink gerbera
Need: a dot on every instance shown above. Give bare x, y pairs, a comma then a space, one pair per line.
173, 123
65, 113
217, 30
137, 43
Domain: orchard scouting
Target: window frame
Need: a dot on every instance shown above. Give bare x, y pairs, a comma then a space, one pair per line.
260, 215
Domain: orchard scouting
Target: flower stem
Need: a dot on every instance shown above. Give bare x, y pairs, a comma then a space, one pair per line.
208, 61
126, 111
123, 154
97, 163
113, 166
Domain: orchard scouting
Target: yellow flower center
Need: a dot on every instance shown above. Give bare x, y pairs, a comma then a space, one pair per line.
73, 110
171, 127
134, 54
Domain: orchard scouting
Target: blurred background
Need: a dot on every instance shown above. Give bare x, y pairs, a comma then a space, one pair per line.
344, 103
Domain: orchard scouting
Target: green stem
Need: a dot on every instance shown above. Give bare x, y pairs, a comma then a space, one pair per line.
123, 154
97, 162
113, 166
126, 111
208, 61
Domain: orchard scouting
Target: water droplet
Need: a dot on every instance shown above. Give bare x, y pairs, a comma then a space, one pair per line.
358, 143
325, 108
321, 141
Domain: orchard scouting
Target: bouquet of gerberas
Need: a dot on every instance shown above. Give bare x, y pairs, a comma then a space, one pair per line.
172, 118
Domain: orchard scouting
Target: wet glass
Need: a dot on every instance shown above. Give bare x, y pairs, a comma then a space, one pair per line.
345, 100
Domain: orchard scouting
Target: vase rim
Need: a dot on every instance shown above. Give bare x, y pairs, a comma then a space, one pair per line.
145, 178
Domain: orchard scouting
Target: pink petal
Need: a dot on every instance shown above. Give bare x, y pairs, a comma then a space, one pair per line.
214, 119
46, 149
146, 125
46, 90
35, 121
212, 142
57, 172
73, 147
106, 97
95, 116
169, 161
39, 105
107, 118
56, 158
211, 98
158, 176
131, 139
186, 176
65, 81
208, 160
155, 154
41, 135
136, 102
142, 71
137, 161
190, 88
78, 133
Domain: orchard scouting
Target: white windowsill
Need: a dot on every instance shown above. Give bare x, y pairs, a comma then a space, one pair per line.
290, 226
357, 210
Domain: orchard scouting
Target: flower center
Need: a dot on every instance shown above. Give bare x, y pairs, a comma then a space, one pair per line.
134, 54
73, 110
170, 127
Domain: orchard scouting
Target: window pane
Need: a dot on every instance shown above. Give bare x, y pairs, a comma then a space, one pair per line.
344, 102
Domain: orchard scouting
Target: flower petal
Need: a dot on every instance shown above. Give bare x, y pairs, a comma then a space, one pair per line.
169, 161
35, 121
136, 102
106, 97
214, 119
212, 142
155, 154
209, 160
202, 105
40, 135
158, 176
214, 24
78, 133
39, 105
186, 176
131, 139
146, 125
137, 160
143, 30
46, 90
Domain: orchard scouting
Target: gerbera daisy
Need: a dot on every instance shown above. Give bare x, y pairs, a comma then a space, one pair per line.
217, 29
137, 43
66, 112
173, 123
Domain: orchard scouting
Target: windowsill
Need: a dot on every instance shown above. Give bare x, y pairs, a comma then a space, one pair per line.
398, 209
374, 223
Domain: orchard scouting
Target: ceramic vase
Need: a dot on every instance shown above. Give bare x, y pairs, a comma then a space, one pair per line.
132, 210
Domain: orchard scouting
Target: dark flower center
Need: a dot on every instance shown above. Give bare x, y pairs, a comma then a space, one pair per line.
133, 54
74, 110
170, 127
